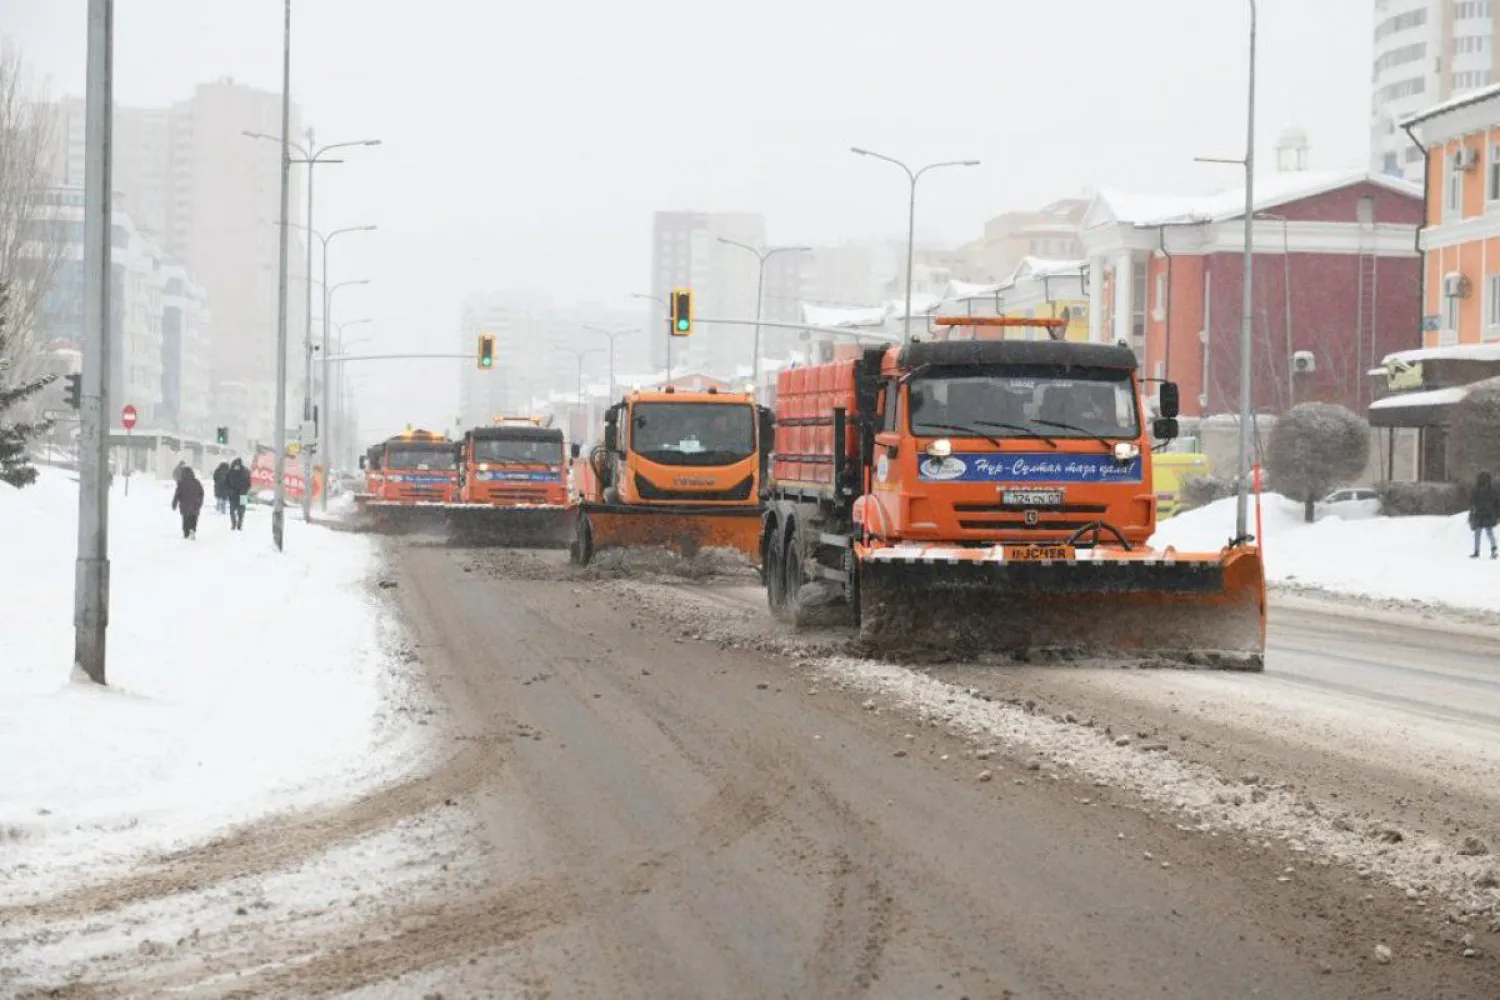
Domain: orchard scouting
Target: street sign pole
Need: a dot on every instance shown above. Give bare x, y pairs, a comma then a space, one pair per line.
91, 568
127, 420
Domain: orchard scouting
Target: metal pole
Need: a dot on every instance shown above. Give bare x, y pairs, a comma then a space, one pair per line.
325, 417
91, 568
1286, 296
278, 507
1242, 501
760, 297
911, 239
307, 347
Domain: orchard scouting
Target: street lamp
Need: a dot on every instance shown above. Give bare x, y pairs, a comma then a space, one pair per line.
762, 255
580, 355
1242, 499
611, 334
311, 155
335, 424
911, 221
667, 305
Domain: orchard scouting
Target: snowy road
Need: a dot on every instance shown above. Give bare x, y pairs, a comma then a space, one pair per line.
651, 790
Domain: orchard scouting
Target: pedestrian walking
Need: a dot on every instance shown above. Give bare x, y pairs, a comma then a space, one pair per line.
221, 487
237, 482
187, 500
1484, 513
177, 472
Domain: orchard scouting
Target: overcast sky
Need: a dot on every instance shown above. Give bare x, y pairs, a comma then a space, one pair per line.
526, 144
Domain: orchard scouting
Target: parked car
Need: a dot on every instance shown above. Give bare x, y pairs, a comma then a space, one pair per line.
1350, 503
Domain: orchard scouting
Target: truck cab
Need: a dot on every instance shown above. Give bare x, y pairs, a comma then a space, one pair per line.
513, 463
418, 467
1012, 442
677, 448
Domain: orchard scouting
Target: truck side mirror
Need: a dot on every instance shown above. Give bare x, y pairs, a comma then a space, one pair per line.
364, 461
611, 437
1168, 401
767, 429
576, 449
1164, 428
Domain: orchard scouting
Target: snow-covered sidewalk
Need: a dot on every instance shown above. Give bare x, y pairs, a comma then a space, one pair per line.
242, 682
1424, 559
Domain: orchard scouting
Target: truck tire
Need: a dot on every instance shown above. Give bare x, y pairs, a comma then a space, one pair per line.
774, 572
792, 574
581, 552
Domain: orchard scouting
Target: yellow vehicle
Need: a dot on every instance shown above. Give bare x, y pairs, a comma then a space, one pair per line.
677, 469
1168, 470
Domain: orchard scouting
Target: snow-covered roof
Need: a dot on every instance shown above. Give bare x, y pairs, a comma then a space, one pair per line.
968, 290
1452, 104
922, 303
1453, 352
1270, 191
1040, 267
845, 316
1432, 397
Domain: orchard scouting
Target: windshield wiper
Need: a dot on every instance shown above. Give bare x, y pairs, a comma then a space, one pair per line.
976, 432
1081, 430
1031, 432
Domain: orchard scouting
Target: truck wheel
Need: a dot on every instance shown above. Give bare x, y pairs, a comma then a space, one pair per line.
775, 574
792, 574
582, 549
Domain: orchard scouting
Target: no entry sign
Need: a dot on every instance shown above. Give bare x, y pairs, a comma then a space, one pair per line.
127, 417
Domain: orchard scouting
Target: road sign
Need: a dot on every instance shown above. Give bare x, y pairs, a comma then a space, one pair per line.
127, 417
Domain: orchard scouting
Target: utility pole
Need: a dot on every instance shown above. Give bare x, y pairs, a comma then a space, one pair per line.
1247, 321
307, 344
761, 256
278, 508
91, 572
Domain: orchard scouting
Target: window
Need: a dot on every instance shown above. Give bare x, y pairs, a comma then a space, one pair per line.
1492, 303
1413, 155
1401, 22
1405, 54
1450, 313
1405, 88
1160, 311
1006, 401
1454, 196
1391, 164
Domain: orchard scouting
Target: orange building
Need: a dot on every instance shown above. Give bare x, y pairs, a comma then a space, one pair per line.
1461, 236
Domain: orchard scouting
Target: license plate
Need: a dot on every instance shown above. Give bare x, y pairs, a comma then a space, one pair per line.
1032, 498
1037, 553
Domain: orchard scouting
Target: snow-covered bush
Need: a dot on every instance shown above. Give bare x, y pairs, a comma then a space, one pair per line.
1474, 435
1418, 499
1315, 448
1200, 491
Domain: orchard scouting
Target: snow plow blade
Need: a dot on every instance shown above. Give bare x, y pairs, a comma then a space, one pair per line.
1198, 609
388, 517
683, 530
534, 526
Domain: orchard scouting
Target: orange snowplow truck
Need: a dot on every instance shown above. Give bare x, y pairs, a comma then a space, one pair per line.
418, 471
970, 496
675, 469
513, 485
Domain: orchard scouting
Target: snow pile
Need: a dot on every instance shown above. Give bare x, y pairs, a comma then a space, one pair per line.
242, 681
1400, 558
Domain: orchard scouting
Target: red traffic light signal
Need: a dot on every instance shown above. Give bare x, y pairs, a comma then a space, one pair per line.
682, 312
486, 350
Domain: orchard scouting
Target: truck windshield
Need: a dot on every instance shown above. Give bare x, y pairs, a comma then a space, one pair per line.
1012, 402
693, 433
525, 451
420, 458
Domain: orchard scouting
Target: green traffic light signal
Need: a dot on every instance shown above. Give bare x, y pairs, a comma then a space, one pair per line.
486, 361
682, 324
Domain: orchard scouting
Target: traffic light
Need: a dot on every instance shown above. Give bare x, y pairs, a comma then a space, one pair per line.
486, 350
73, 393
221, 435
682, 312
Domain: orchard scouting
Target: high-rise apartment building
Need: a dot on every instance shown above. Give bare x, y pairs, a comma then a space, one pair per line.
687, 252
1426, 51
195, 184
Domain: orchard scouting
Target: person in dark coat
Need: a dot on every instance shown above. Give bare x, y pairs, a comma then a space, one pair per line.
237, 485
221, 487
177, 472
188, 501
1484, 513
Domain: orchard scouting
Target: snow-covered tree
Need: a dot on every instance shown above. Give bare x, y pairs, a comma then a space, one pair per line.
1315, 448
15, 468
1474, 434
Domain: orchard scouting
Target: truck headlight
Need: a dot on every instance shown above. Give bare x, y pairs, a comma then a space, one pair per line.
941, 448
1126, 451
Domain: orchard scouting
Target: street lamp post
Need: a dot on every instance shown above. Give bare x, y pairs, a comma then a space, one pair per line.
278, 507
911, 219
580, 355
311, 156
664, 302
325, 421
611, 334
336, 423
762, 255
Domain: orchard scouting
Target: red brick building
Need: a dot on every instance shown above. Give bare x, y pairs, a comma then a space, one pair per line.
1337, 286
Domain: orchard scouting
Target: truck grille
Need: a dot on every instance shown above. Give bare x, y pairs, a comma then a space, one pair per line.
739, 491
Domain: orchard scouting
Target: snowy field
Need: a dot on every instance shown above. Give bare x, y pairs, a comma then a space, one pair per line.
242, 682
1398, 558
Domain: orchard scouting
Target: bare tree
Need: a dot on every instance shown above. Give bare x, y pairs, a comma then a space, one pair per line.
1316, 447
27, 265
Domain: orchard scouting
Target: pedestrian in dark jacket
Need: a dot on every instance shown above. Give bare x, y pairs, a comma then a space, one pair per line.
237, 484
1484, 513
221, 487
188, 501
177, 472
